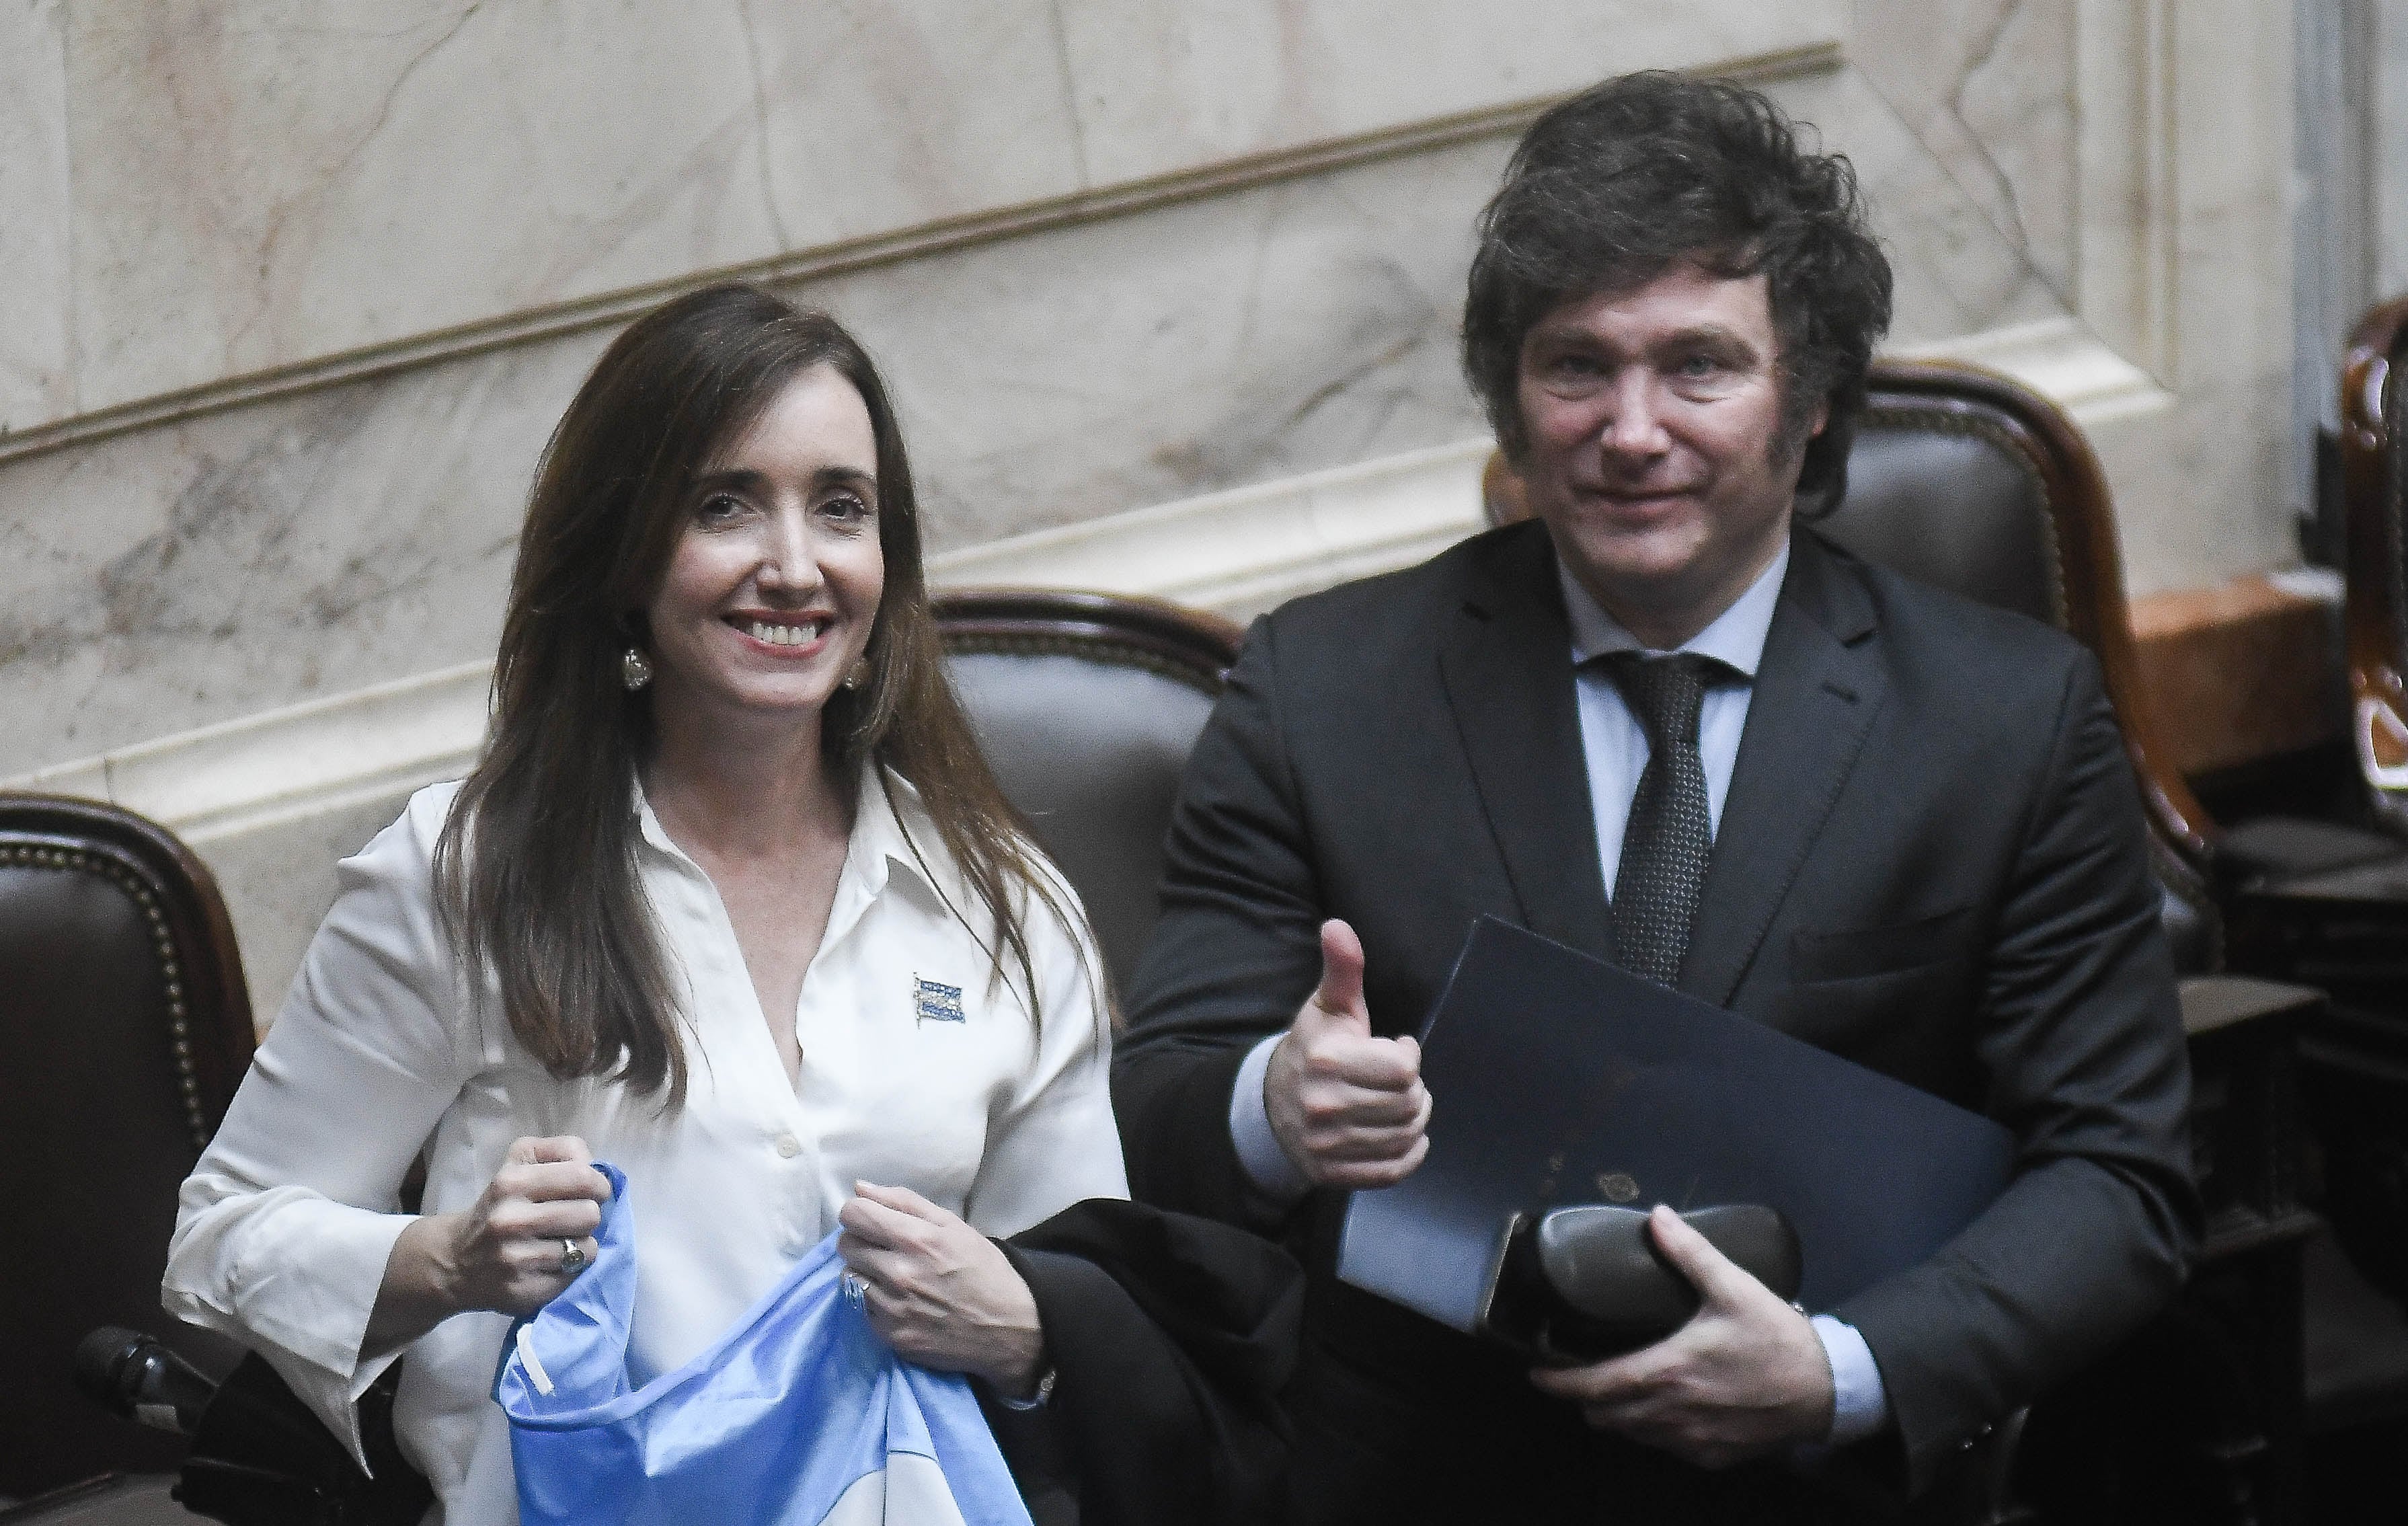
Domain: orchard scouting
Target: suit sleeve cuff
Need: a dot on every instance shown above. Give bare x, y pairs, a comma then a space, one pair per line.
1859, 1403
1267, 1166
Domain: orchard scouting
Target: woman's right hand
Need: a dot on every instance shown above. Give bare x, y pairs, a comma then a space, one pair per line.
504, 1253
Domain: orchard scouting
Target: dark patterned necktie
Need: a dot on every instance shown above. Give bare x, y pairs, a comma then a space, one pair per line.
1669, 837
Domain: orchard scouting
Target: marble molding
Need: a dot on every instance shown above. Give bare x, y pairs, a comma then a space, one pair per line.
313, 188
271, 801
2234, 185
1156, 87
2334, 223
2135, 155
2223, 492
1247, 551
2387, 152
261, 183
1205, 346
2064, 361
2126, 194
168, 578
36, 282
178, 576
1239, 552
2088, 194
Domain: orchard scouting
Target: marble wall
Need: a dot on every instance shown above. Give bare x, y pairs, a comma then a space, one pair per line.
167, 578
263, 182
290, 295
2333, 239
2383, 34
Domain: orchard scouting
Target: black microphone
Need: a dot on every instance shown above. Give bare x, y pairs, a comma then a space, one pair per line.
132, 1375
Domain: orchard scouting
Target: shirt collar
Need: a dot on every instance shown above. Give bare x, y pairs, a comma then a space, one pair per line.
879, 836
887, 833
1736, 636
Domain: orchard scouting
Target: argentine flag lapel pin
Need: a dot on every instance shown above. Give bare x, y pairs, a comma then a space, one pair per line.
936, 1001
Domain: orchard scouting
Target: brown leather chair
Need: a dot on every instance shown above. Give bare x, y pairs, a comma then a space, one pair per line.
1970, 481
2375, 615
2315, 903
124, 1028
2326, 900
2029, 526
1087, 706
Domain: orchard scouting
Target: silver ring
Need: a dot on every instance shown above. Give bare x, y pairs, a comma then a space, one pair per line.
572, 1258
856, 1292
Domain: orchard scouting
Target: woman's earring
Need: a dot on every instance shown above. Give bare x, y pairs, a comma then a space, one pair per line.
858, 674
634, 670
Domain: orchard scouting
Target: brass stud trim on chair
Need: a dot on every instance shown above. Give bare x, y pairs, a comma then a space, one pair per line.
188, 1080
1086, 648
2008, 444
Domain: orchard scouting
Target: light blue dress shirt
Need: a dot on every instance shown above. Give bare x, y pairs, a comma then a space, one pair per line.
1614, 747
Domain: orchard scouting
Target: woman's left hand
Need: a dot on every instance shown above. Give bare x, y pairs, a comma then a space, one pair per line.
940, 1292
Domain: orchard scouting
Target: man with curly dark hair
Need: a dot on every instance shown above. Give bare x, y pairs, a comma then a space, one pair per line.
1611, 190
1667, 723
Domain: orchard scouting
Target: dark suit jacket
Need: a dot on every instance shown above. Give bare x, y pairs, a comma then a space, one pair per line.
1170, 1338
1931, 861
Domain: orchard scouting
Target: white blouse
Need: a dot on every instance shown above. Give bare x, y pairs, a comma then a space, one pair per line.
287, 1221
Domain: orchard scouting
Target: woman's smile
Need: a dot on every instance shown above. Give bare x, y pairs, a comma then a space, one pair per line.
785, 636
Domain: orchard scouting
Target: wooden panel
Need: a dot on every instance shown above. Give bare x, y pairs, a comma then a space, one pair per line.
2236, 674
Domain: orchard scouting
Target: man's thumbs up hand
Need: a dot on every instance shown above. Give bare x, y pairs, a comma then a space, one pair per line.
1340, 996
1349, 1109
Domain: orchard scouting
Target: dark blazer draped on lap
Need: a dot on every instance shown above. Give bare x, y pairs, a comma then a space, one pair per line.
1170, 1338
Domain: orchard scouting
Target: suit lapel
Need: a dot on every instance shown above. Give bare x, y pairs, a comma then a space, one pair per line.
1816, 693
1508, 673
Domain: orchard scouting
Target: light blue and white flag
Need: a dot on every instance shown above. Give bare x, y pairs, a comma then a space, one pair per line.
798, 1416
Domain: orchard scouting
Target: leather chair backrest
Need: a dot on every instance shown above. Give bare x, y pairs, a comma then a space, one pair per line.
1087, 706
124, 1027
1949, 495
1967, 482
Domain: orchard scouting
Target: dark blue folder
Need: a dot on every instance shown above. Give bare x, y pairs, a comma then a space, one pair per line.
1558, 1078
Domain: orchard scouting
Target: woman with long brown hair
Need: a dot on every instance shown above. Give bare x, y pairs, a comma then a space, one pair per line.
730, 900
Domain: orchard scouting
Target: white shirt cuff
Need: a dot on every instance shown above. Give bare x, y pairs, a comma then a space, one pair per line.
295, 1276
1267, 1166
1859, 1403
